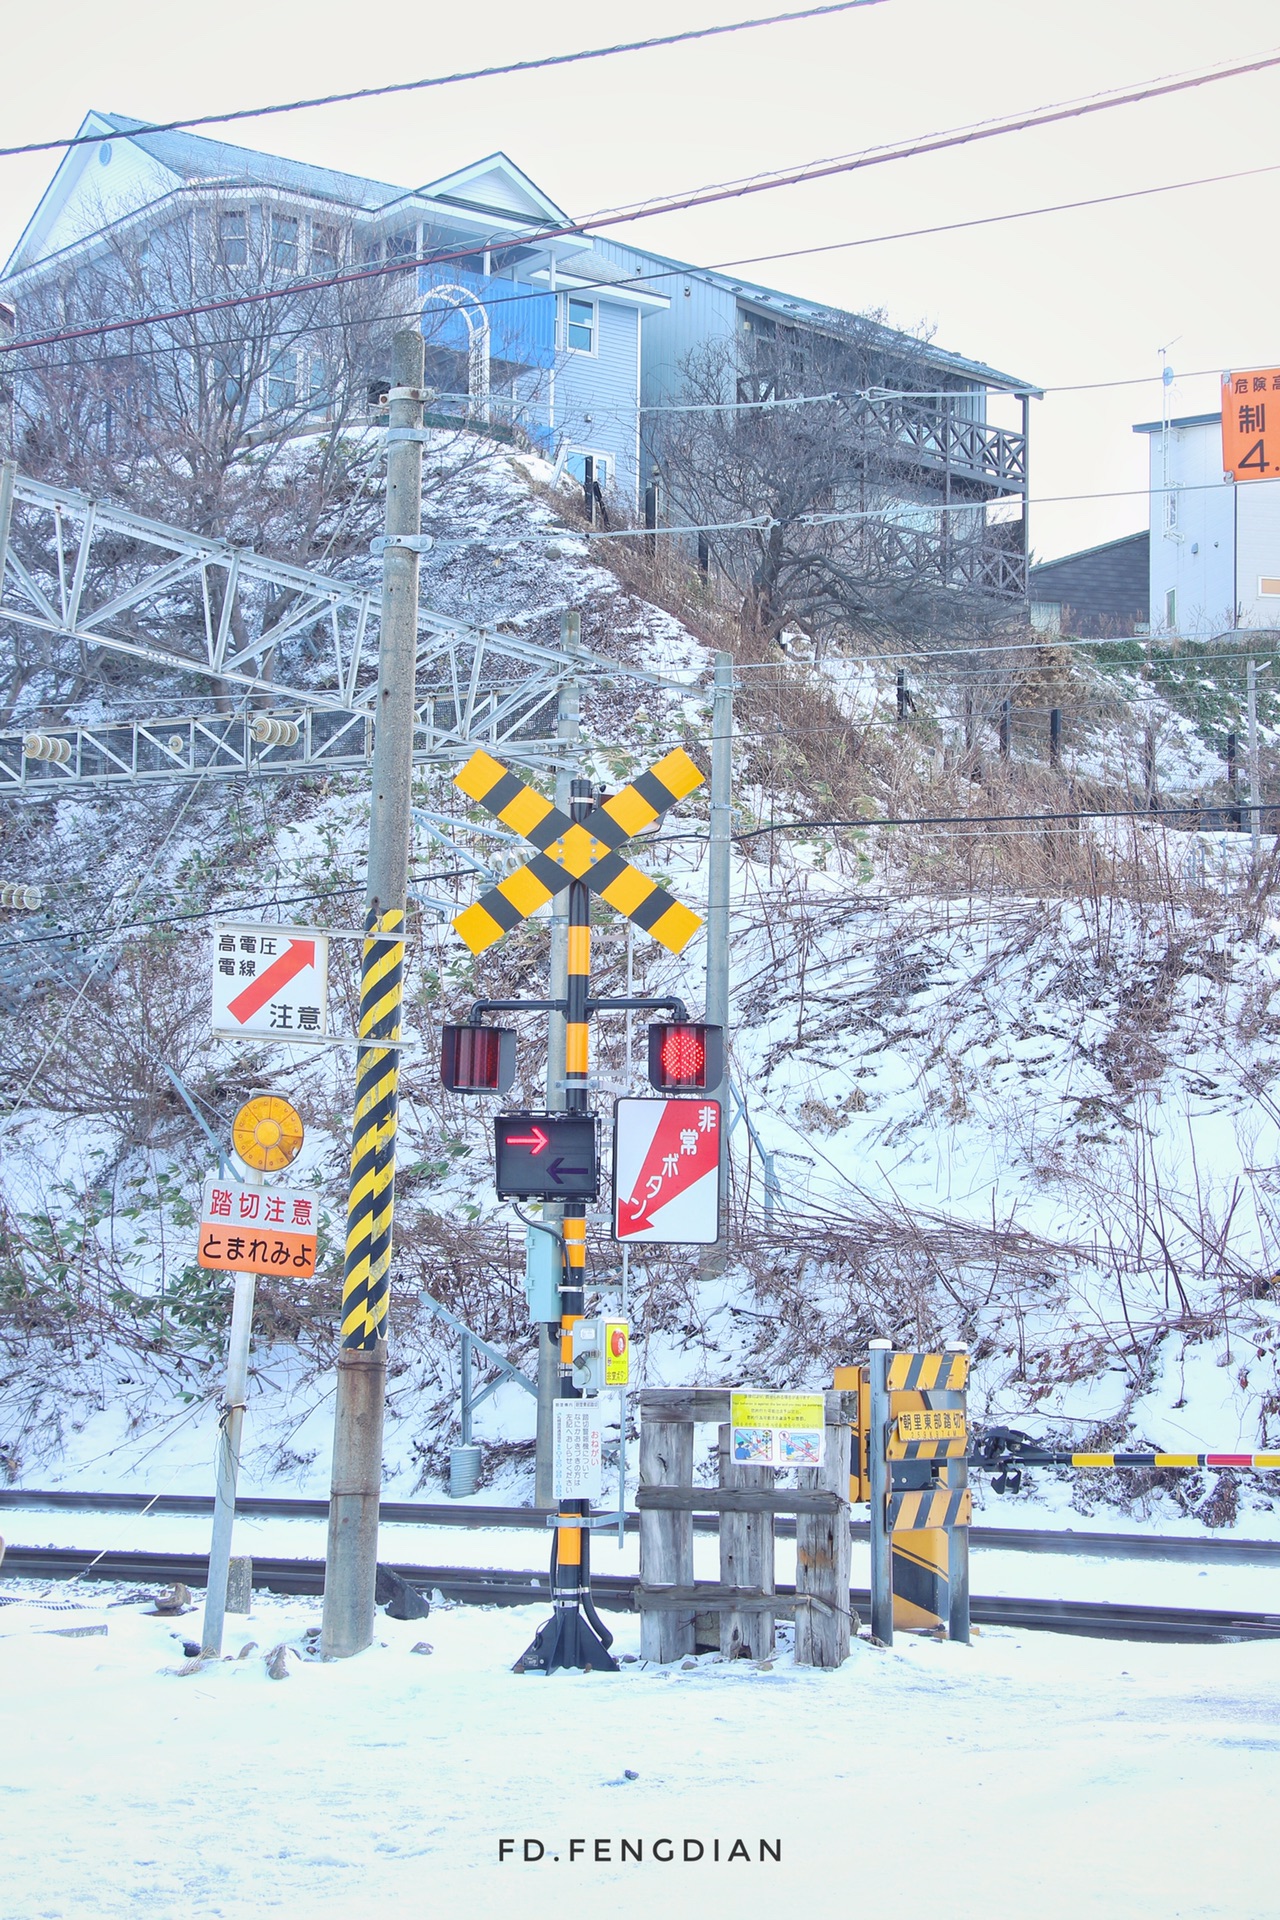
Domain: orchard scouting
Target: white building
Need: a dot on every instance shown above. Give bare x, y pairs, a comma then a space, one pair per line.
1215, 542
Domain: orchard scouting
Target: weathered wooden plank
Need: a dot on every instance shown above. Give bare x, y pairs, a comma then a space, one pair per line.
822, 1563
746, 1557
666, 1534
709, 1597
765, 1500
711, 1404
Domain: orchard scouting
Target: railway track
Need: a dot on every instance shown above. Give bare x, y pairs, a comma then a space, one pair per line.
507, 1588
1111, 1546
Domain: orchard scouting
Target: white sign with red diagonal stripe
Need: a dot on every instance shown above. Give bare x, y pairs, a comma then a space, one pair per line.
270, 983
666, 1171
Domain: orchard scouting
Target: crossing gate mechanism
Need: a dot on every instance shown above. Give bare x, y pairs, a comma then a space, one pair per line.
911, 1463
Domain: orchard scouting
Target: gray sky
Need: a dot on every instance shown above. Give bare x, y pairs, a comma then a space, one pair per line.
1064, 299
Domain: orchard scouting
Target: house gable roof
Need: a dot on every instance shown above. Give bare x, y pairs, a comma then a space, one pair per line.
495, 185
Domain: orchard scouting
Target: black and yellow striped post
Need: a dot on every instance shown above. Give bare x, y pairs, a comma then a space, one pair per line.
574, 1636
927, 1519
371, 1189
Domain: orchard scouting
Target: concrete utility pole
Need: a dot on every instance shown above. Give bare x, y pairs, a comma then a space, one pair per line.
718, 881
568, 737
356, 1484
231, 1427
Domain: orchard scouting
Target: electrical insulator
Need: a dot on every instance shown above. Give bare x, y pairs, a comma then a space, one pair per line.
46, 746
25, 899
275, 733
177, 743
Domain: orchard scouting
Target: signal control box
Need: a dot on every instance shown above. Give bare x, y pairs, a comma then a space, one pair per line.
601, 1354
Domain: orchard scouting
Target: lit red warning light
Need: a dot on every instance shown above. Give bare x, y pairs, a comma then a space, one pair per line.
685, 1058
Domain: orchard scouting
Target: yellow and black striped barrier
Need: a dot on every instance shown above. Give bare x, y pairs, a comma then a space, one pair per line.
583, 849
1046, 1457
928, 1507
373, 1135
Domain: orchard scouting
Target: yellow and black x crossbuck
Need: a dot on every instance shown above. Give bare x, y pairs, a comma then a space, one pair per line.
584, 850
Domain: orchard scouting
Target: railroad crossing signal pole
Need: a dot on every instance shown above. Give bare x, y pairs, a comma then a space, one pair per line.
356, 1486
578, 853
574, 1636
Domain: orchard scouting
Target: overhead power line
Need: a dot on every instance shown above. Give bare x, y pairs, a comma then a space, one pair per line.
698, 197
535, 65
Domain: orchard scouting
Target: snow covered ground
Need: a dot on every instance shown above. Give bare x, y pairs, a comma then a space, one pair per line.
1029, 1775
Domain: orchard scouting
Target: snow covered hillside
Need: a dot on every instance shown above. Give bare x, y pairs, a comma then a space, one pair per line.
1016, 1083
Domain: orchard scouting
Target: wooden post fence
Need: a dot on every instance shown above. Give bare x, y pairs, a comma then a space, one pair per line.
670, 1600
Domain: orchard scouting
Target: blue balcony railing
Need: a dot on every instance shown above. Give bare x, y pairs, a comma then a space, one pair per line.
522, 320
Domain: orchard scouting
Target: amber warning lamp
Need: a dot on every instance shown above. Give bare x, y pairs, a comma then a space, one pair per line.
685, 1057
477, 1059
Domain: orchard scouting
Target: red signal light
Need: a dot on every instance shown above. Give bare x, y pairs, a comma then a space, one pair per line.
685, 1058
477, 1059
683, 1053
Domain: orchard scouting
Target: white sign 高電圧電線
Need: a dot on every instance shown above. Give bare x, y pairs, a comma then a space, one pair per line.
270, 983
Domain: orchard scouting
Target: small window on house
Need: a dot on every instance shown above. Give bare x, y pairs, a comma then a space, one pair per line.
1171, 609
282, 381
233, 244
1171, 510
324, 249
226, 374
284, 242
320, 399
581, 329
1269, 586
402, 246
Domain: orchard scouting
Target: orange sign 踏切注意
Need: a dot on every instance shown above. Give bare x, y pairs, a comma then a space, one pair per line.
257, 1229
1251, 424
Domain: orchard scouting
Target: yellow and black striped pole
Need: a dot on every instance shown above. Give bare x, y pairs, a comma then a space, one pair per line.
575, 1636
371, 1191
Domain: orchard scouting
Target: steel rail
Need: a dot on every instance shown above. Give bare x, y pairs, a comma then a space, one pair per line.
505, 1587
1105, 1546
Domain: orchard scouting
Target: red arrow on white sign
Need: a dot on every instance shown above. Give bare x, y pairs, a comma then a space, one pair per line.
297, 955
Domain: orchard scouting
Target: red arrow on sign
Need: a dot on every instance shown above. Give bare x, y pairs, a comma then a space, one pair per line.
537, 1140
298, 954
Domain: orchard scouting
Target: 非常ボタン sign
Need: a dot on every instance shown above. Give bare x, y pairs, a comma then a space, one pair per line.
666, 1171
777, 1429
270, 983
1251, 440
546, 1156
258, 1229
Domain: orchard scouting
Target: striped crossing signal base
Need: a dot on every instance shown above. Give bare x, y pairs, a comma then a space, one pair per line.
921, 1372
930, 1507
373, 1136
584, 850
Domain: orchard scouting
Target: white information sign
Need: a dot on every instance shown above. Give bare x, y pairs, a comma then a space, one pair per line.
666, 1171
576, 1450
270, 983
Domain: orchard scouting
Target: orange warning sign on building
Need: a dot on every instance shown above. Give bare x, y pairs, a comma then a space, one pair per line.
1251, 424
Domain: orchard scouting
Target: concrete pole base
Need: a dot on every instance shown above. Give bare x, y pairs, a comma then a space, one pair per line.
351, 1561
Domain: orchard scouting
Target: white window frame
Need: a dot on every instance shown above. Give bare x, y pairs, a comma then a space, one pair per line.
576, 299
334, 253
299, 374
280, 217
608, 460
242, 215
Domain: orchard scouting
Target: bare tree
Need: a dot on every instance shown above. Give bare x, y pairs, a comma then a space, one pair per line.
820, 515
